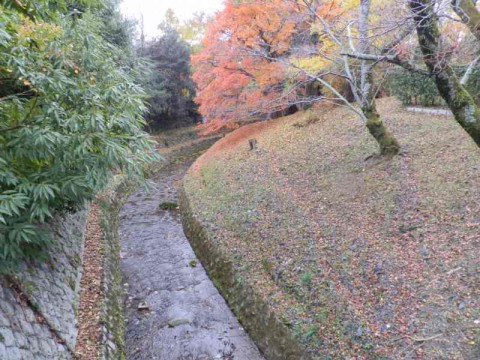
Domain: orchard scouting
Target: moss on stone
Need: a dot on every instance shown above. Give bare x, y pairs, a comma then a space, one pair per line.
168, 205
270, 333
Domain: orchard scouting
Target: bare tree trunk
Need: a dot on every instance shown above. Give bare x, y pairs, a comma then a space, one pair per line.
385, 139
452, 91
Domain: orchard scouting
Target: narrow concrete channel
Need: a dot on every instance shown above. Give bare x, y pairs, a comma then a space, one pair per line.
172, 309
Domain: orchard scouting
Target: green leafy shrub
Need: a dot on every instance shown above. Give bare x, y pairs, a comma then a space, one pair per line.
414, 89
69, 116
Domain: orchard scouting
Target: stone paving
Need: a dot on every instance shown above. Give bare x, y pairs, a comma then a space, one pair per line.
173, 310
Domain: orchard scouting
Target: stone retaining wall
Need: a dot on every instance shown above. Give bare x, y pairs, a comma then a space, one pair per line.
271, 336
38, 306
113, 332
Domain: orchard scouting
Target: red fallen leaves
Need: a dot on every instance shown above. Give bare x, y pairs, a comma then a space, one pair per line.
412, 214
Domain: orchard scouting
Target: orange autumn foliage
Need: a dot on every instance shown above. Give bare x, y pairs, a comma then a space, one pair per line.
243, 70
232, 82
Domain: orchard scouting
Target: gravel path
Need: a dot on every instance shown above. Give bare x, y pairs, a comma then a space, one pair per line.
173, 311
433, 111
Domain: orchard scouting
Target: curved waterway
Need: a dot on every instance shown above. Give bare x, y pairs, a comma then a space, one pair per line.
172, 309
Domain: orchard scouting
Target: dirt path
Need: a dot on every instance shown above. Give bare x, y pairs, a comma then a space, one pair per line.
173, 310
434, 111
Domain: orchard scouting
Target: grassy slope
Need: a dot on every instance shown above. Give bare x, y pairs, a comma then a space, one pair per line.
373, 257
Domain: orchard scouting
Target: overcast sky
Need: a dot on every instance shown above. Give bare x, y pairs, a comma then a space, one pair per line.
154, 10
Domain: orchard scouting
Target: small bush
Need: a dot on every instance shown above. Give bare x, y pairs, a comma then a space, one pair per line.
414, 89
307, 278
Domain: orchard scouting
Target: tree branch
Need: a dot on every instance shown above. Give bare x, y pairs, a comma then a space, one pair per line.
468, 12
394, 59
11, 128
397, 40
469, 71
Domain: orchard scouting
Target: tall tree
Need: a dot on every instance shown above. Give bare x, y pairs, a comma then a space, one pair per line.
455, 94
365, 93
171, 88
437, 53
350, 30
233, 81
193, 30
469, 14
266, 56
116, 29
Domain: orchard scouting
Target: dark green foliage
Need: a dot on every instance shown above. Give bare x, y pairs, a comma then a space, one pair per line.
69, 115
116, 29
170, 85
192, 263
414, 89
168, 205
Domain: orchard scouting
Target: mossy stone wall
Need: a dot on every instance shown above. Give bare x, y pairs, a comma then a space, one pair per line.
272, 337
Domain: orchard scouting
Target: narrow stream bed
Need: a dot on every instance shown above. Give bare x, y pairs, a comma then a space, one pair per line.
172, 309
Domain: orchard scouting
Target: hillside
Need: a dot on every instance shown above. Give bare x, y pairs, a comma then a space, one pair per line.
359, 256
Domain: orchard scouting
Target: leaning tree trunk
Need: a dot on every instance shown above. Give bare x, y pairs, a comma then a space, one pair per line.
458, 99
388, 144
468, 12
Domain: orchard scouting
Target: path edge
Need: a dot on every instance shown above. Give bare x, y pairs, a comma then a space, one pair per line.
113, 345
112, 342
272, 337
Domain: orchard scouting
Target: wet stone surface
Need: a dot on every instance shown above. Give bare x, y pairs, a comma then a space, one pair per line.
173, 310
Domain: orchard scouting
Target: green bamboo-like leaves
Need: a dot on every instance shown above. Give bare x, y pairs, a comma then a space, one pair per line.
70, 114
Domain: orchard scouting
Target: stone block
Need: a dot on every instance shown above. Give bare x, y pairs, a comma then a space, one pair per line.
46, 347
21, 340
27, 355
3, 351
13, 353
3, 319
33, 345
6, 337
26, 327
